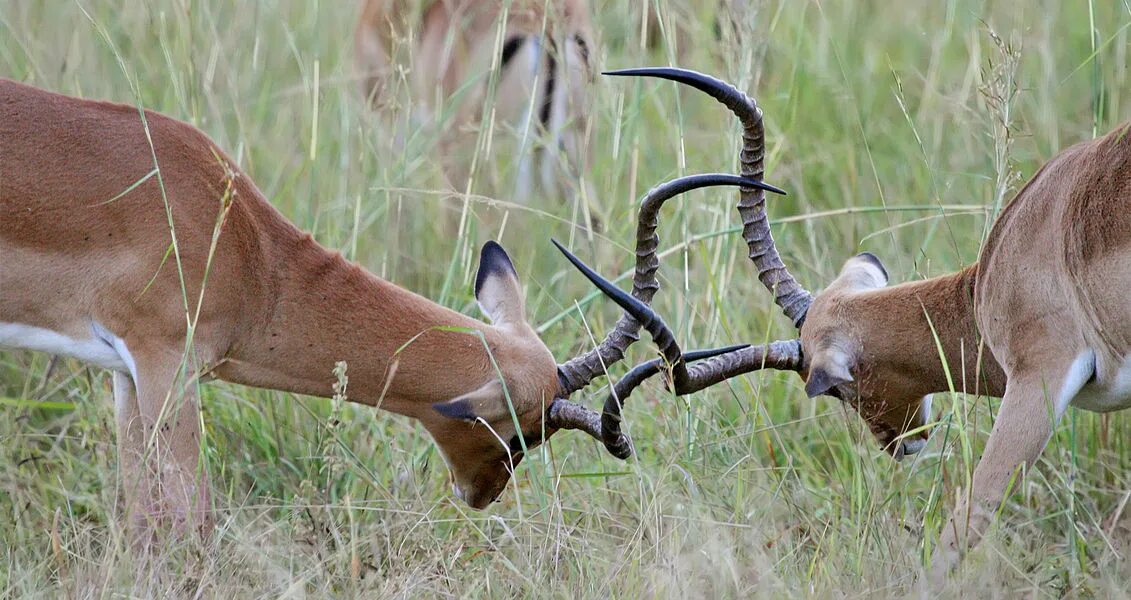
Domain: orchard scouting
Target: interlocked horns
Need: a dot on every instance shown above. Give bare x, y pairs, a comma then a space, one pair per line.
715, 365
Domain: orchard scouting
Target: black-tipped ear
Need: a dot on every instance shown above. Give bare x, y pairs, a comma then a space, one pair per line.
487, 403
496, 286
824, 378
458, 409
874, 261
493, 260
861, 272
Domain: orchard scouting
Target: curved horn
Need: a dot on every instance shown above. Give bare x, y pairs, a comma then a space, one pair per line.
793, 299
580, 371
639, 311
616, 442
781, 355
564, 414
717, 365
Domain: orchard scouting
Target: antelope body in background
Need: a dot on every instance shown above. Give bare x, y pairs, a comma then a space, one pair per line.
130, 241
677, 27
1042, 320
449, 48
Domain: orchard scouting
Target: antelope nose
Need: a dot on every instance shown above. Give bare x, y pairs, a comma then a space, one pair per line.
914, 446
909, 446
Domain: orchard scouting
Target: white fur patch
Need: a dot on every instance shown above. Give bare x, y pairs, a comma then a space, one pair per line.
925, 408
879, 277
524, 186
861, 273
1106, 394
101, 349
125, 395
1079, 373
457, 491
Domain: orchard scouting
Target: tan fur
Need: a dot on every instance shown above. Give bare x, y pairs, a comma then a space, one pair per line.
679, 28
277, 309
1047, 294
448, 48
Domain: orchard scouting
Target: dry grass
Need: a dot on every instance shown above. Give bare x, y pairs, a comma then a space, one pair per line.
898, 128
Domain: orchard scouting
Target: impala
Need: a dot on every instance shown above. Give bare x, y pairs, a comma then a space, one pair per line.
451, 46
130, 241
1041, 319
676, 27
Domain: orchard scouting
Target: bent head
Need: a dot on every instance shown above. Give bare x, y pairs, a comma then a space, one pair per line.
851, 356
482, 456
483, 433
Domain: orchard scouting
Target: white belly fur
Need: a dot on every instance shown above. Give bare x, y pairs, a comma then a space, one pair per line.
102, 348
1108, 393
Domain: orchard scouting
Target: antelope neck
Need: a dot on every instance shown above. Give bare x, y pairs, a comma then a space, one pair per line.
400, 349
910, 316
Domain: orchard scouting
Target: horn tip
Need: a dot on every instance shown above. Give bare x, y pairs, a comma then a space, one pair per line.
762, 185
695, 355
621, 448
774, 189
666, 72
626, 72
569, 255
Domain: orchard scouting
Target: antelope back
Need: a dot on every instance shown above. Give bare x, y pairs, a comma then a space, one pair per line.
1057, 264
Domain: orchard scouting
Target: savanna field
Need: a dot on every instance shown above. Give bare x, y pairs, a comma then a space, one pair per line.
897, 128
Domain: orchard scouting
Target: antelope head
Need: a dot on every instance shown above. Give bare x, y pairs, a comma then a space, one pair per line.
852, 355
484, 434
841, 350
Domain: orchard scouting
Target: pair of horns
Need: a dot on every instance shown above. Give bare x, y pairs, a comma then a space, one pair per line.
716, 365
578, 372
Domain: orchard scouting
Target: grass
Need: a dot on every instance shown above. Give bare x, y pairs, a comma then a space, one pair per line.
898, 128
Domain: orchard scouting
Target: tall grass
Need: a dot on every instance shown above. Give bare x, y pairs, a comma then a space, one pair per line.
898, 128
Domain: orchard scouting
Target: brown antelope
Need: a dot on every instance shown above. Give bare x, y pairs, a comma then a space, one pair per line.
130, 241
675, 26
451, 46
1041, 320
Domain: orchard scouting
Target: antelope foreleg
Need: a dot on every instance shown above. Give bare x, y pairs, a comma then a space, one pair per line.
1023, 427
163, 481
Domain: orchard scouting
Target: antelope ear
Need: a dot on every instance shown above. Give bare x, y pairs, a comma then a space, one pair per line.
825, 376
497, 288
879, 271
862, 272
483, 403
